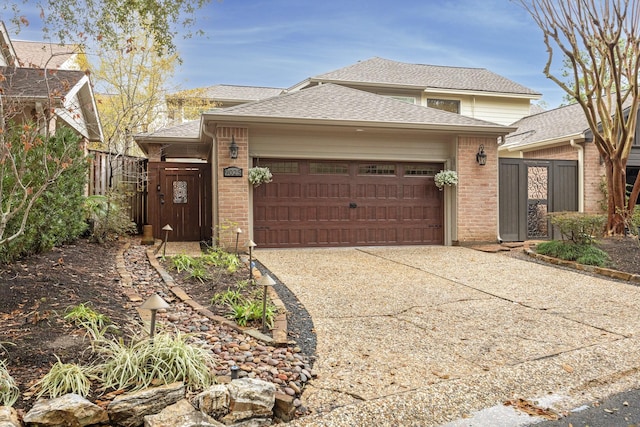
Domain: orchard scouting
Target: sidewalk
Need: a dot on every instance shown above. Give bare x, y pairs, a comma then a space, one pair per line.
427, 335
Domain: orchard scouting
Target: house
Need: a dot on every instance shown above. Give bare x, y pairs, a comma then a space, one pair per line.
353, 154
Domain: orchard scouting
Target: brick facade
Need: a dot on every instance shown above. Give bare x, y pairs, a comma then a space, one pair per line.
477, 191
233, 193
593, 178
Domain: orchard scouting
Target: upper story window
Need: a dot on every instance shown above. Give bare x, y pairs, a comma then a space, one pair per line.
449, 105
408, 99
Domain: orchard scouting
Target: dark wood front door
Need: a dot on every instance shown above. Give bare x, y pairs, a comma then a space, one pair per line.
333, 203
181, 198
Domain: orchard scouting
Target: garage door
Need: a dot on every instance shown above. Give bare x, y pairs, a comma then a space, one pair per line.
321, 203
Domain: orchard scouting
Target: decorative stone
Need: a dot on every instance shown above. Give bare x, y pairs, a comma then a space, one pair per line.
284, 408
250, 398
128, 410
214, 401
9, 417
181, 414
70, 409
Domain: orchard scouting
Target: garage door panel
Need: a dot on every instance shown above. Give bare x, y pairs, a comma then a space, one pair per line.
346, 204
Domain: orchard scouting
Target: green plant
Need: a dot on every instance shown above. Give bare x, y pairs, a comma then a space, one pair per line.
577, 227
227, 297
446, 177
582, 253
83, 315
162, 360
65, 378
247, 311
200, 273
108, 215
183, 262
259, 175
9, 391
218, 257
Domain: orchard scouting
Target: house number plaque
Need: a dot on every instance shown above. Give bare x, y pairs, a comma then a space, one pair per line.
232, 172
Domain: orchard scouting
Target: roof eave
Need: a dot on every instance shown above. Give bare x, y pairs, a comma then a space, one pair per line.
483, 93
453, 128
577, 137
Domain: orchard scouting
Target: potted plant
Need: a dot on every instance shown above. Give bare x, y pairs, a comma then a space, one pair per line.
446, 177
259, 175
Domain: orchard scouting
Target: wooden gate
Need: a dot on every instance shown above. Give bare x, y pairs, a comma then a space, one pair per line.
529, 190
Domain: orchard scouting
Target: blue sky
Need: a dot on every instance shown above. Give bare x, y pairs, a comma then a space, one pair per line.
278, 43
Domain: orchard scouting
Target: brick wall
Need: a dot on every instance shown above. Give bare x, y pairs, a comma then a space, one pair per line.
593, 177
477, 191
233, 193
564, 152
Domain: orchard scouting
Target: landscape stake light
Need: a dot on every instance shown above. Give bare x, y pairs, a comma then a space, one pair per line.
238, 233
234, 372
154, 303
265, 281
251, 245
167, 228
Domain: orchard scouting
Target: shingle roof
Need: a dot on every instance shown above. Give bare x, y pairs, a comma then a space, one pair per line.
41, 54
233, 93
561, 122
338, 103
187, 130
384, 71
33, 83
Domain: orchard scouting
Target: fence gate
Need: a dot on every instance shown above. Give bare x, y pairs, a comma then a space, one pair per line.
529, 190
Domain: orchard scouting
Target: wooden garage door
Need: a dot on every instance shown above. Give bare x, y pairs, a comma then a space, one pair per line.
322, 203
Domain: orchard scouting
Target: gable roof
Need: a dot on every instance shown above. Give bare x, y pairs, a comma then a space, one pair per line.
186, 130
384, 72
43, 54
232, 93
340, 105
7, 52
37, 83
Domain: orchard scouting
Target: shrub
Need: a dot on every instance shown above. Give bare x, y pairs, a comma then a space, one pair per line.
83, 315
246, 311
9, 391
577, 227
218, 257
164, 359
584, 254
56, 217
65, 378
108, 216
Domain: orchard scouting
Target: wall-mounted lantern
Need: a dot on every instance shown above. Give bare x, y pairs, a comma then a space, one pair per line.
481, 156
233, 148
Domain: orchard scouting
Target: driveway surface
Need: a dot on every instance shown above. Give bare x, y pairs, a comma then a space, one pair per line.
430, 335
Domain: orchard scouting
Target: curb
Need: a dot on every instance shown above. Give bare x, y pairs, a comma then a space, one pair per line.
601, 271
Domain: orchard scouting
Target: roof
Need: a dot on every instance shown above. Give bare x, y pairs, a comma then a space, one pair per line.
334, 103
36, 83
186, 130
379, 71
42, 54
233, 92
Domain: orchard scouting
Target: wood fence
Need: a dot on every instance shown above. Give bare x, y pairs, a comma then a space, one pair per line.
114, 171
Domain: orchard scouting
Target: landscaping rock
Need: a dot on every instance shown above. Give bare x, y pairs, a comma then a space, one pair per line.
69, 410
9, 417
129, 410
250, 398
180, 414
214, 401
284, 408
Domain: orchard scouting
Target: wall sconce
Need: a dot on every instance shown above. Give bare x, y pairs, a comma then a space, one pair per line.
233, 148
481, 156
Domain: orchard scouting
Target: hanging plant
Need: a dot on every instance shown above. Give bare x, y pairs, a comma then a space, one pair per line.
259, 175
446, 177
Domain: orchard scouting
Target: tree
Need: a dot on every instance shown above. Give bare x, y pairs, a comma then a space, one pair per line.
99, 21
600, 42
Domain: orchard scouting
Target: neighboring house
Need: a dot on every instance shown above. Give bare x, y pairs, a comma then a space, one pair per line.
190, 104
46, 55
353, 153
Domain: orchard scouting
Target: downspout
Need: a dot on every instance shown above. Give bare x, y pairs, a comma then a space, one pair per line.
501, 141
214, 177
580, 149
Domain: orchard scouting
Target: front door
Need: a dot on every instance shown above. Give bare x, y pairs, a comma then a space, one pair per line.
180, 201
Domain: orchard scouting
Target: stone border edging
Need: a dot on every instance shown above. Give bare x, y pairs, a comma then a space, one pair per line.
607, 272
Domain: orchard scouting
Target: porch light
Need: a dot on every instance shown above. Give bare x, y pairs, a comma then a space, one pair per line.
154, 303
233, 148
481, 156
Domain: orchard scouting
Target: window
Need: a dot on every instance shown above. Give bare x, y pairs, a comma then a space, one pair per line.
365, 169
179, 191
282, 167
421, 170
408, 99
449, 105
329, 168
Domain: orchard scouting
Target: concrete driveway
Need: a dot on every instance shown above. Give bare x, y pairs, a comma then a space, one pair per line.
422, 336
